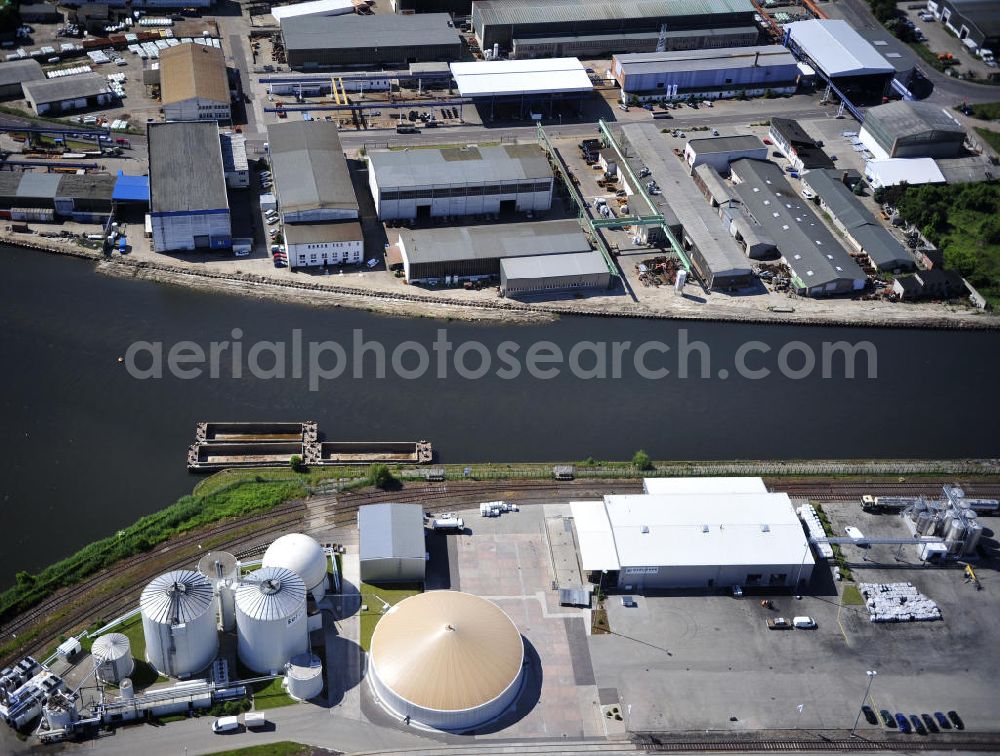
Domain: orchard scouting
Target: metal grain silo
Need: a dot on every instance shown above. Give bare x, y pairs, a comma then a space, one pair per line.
304, 677
112, 657
303, 556
178, 622
271, 625
972, 535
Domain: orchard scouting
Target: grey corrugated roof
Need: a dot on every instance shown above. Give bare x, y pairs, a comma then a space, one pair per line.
185, 167
494, 241
507, 12
470, 165
838, 198
315, 233
87, 186
716, 186
391, 531
18, 71
706, 60
44, 185
65, 88
882, 247
907, 119
271, 593
569, 39
176, 597
380, 30
548, 266
807, 246
310, 171
984, 14
711, 145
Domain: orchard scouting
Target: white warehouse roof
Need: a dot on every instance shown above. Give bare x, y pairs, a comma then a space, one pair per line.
315, 8
837, 49
518, 77
687, 530
714, 485
895, 171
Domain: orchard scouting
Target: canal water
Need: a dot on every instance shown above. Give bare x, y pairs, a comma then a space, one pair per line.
87, 447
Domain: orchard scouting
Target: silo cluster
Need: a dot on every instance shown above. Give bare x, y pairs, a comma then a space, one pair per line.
953, 520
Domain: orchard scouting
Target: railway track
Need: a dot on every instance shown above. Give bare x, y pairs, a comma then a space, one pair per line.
843, 745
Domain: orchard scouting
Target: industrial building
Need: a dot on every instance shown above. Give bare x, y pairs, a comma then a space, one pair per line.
713, 73
458, 7
15, 73
194, 85
713, 253
904, 129
39, 13
820, 266
316, 198
843, 58
85, 198
908, 80
707, 485
719, 152
391, 543
271, 621
929, 284
475, 252
419, 184
800, 149
591, 28
602, 45
189, 208
320, 42
446, 660
977, 21
523, 87
547, 274
856, 222
234, 160
303, 556
57, 96
312, 9
701, 537
896, 171
178, 623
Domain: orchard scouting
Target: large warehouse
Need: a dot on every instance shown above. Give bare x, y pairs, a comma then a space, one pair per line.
514, 24
14, 73
312, 8
316, 198
476, 252
320, 42
842, 57
548, 274
415, 184
194, 85
706, 73
602, 45
458, 7
521, 87
391, 547
57, 96
447, 660
189, 208
820, 265
720, 151
975, 20
708, 539
911, 129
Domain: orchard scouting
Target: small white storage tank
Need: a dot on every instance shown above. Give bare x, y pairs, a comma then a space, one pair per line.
303, 556
178, 622
271, 619
304, 677
112, 657
125, 688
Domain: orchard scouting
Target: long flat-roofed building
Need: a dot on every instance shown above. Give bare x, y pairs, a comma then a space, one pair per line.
820, 266
548, 274
194, 85
719, 152
189, 208
475, 252
707, 539
321, 42
525, 85
709, 73
975, 20
601, 45
429, 183
14, 73
512, 24
55, 96
316, 198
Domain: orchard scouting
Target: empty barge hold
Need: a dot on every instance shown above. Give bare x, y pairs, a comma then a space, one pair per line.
216, 456
366, 452
240, 433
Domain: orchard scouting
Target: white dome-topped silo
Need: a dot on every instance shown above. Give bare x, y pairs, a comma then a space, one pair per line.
271, 625
303, 556
222, 570
112, 657
178, 621
446, 659
304, 677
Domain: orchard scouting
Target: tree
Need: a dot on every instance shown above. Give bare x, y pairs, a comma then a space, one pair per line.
641, 460
295, 461
24, 578
381, 476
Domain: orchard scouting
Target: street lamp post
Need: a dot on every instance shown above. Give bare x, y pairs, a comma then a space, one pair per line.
871, 677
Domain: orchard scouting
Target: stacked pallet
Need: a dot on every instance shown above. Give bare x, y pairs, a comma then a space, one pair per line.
898, 602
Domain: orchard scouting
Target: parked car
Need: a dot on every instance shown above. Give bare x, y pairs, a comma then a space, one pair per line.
778, 623
942, 720
869, 713
887, 718
918, 726
804, 623
929, 723
956, 720
372, 263
904, 724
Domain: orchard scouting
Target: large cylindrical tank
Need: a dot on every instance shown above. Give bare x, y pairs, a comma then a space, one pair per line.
112, 657
923, 521
972, 536
304, 677
933, 525
271, 619
956, 532
303, 556
178, 622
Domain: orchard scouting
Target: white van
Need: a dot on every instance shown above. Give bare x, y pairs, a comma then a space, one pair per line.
225, 724
804, 623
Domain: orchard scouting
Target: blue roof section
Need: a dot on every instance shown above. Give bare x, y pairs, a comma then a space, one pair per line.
131, 189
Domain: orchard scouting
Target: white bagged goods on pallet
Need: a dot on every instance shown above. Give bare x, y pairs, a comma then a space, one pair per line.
898, 602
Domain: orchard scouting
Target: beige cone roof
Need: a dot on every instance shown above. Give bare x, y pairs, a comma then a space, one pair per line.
447, 650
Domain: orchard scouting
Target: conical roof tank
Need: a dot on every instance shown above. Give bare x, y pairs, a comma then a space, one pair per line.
303, 556
271, 625
178, 622
113, 657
